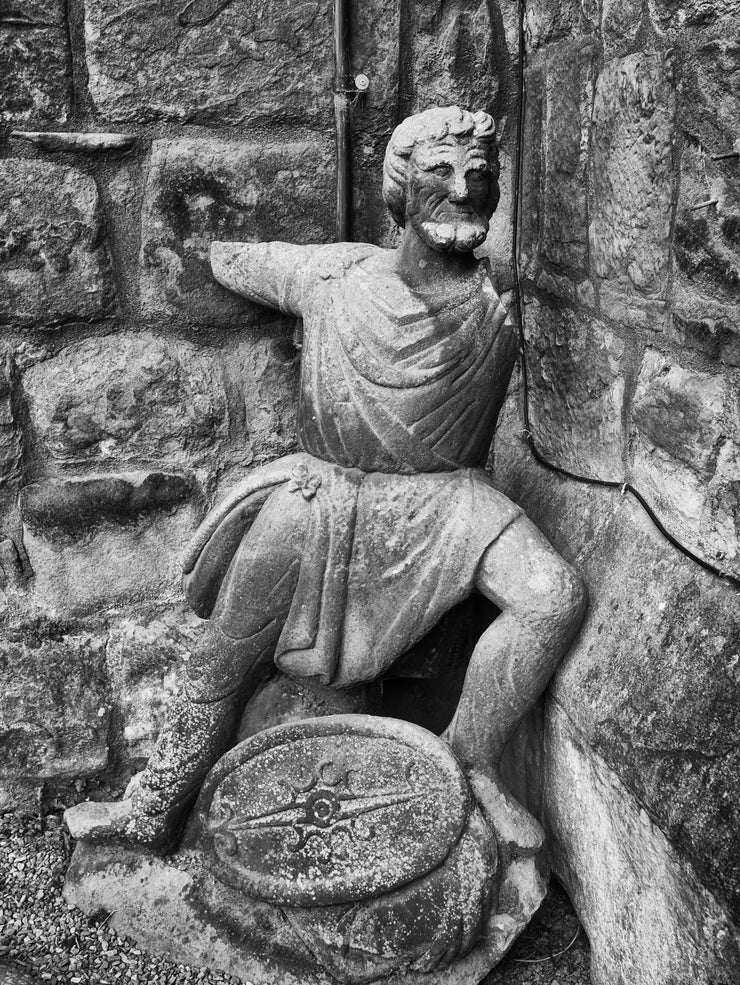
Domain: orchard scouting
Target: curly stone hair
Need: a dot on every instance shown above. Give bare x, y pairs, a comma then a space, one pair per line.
429, 127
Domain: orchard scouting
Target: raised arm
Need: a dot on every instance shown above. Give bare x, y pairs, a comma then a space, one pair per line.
274, 274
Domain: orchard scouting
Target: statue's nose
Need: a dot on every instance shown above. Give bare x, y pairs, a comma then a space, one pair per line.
459, 193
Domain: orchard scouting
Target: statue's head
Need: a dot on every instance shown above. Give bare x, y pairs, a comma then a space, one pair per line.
441, 176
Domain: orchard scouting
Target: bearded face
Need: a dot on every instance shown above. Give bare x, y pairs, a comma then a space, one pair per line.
450, 194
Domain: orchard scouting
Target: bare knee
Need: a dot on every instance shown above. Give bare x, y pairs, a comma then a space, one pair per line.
523, 574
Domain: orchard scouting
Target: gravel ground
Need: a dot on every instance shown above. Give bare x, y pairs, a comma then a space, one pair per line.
40, 936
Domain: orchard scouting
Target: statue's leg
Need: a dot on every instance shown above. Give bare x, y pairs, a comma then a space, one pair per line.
217, 680
542, 602
199, 728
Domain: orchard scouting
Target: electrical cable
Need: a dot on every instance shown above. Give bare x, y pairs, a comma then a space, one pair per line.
625, 487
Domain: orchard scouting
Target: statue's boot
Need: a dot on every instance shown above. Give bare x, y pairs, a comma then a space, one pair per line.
195, 735
199, 728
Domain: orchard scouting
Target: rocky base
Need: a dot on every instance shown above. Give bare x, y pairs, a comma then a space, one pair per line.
174, 908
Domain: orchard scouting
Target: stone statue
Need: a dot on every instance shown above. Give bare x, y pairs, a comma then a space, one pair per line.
334, 561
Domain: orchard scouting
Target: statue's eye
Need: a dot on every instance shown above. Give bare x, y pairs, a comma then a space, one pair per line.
442, 170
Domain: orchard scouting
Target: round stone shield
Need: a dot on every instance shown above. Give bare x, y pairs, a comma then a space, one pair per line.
332, 810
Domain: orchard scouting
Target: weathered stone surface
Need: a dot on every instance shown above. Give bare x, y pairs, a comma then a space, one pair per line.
35, 82
143, 654
451, 55
652, 683
576, 390
377, 36
54, 704
709, 104
621, 22
74, 507
263, 372
253, 61
53, 266
199, 191
10, 435
566, 120
128, 398
634, 182
647, 916
80, 143
550, 20
705, 325
110, 566
686, 455
707, 255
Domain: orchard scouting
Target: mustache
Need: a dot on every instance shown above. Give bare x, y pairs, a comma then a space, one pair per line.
461, 236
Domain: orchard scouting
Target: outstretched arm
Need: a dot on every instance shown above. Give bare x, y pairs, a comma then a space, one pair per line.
274, 274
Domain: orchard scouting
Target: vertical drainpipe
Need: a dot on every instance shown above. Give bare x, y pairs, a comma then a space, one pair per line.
342, 120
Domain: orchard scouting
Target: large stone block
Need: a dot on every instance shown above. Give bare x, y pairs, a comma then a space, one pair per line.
53, 265
647, 917
203, 190
54, 704
707, 34
651, 686
566, 122
112, 565
143, 654
452, 56
634, 185
208, 62
686, 455
35, 82
576, 390
128, 398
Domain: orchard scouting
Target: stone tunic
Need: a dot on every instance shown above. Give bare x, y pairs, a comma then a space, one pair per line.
398, 403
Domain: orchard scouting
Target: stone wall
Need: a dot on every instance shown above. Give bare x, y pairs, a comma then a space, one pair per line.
630, 298
134, 390
632, 321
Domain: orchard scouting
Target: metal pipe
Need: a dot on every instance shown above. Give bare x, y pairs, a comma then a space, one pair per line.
342, 120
